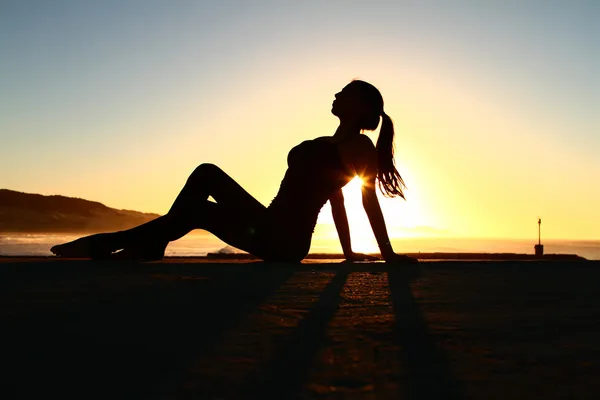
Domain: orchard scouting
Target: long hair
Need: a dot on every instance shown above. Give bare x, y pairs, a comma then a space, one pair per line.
390, 182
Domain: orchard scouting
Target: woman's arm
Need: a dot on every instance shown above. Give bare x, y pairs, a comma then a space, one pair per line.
341, 225
373, 210
362, 156
364, 159
341, 221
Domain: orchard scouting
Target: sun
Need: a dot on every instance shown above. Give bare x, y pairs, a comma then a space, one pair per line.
354, 185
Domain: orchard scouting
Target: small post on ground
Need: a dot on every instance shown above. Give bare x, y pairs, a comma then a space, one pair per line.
539, 248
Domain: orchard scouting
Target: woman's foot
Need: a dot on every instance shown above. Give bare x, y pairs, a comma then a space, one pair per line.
153, 252
93, 246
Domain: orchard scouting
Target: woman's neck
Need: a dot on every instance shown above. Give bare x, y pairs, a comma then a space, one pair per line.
345, 131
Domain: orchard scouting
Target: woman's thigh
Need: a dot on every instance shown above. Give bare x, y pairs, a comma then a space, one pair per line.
236, 227
254, 232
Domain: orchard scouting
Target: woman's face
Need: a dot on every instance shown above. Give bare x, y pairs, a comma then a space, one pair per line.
348, 104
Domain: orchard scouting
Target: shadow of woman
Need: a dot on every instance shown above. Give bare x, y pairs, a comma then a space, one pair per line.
429, 375
290, 368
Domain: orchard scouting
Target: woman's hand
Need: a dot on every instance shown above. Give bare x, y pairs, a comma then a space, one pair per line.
399, 258
352, 257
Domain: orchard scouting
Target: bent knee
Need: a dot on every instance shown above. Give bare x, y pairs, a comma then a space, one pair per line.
204, 171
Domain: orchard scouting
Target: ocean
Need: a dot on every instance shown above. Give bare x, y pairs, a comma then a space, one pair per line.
201, 244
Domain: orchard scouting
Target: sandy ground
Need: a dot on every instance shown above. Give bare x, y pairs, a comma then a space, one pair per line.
203, 329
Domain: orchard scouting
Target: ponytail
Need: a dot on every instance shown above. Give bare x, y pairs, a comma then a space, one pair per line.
391, 183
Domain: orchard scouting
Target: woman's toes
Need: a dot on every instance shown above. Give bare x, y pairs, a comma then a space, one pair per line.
95, 246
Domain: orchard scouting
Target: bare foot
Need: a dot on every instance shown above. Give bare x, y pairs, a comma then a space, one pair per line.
94, 246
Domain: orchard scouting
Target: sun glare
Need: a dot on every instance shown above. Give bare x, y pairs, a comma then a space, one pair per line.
354, 185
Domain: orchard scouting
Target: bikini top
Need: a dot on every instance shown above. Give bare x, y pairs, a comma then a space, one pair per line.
315, 171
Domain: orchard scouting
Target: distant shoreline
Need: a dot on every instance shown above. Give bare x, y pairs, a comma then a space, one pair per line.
424, 256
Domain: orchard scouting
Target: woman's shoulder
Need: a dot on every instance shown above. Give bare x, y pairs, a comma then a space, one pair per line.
360, 145
361, 140
328, 139
364, 142
360, 152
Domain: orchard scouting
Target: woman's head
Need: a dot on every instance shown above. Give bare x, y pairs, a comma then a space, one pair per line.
361, 104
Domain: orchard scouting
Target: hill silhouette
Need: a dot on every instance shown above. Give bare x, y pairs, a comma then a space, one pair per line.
26, 212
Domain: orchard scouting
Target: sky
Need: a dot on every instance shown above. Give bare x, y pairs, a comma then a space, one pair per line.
495, 103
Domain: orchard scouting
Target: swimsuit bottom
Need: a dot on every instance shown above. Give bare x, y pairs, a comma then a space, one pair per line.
274, 237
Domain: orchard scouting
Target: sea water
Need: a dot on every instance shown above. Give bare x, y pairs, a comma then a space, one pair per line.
201, 244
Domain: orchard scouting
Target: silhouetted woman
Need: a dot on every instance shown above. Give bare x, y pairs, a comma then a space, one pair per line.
317, 171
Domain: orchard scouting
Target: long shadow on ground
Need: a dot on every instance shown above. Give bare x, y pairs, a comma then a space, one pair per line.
289, 370
429, 376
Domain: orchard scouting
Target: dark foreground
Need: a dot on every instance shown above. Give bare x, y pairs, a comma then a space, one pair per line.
209, 330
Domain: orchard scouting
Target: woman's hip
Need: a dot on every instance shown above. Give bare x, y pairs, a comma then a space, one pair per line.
284, 243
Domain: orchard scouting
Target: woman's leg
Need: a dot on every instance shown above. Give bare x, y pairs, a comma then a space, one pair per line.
192, 210
234, 211
236, 229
